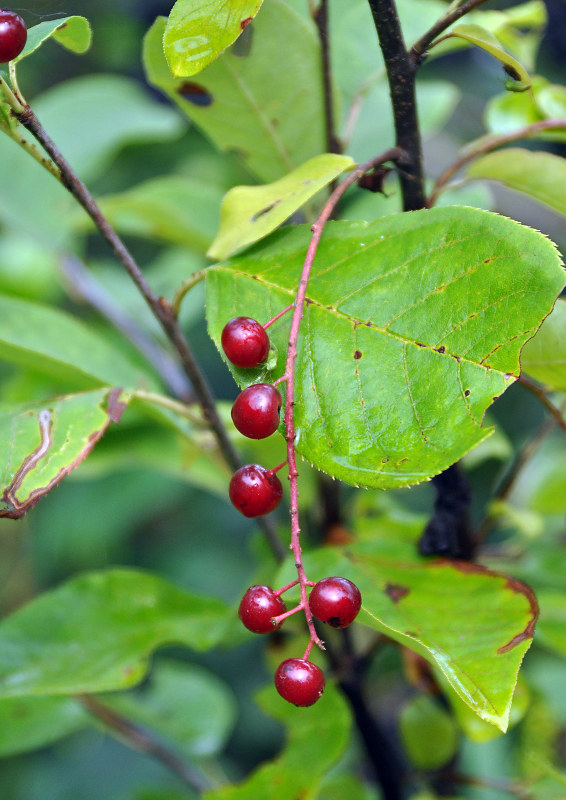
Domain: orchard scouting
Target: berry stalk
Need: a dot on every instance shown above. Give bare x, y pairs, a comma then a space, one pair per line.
317, 230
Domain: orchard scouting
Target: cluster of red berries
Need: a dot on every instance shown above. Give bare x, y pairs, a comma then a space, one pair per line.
254, 490
336, 601
13, 36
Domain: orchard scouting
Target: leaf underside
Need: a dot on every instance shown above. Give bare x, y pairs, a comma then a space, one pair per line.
413, 326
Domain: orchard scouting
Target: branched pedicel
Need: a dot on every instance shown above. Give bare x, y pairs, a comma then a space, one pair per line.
255, 490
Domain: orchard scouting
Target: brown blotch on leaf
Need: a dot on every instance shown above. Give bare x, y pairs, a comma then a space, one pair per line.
195, 94
358, 354
396, 592
440, 349
466, 392
245, 22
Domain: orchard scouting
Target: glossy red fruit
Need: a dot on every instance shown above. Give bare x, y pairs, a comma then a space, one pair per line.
13, 35
256, 411
336, 601
300, 682
257, 608
255, 490
245, 342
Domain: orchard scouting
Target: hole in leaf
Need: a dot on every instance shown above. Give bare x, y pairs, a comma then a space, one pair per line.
195, 94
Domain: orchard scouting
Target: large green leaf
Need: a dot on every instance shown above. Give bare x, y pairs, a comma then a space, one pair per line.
43, 443
322, 731
96, 632
197, 32
544, 357
443, 610
249, 213
540, 175
53, 342
28, 723
73, 33
273, 117
413, 325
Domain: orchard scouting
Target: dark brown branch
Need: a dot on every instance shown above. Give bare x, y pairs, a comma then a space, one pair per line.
160, 307
439, 27
141, 739
333, 145
401, 76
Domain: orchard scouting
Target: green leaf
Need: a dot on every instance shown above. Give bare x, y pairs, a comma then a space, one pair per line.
185, 703
197, 33
249, 213
509, 111
92, 118
73, 33
44, 442
551, 629
172, 209
544, 357
442, 610
414, 324
278, 105
96, 632
484, 39
428, 732
28, 723
322, 731
540, 175
55, 343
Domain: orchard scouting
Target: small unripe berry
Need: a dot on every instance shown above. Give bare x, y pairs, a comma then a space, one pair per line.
13, 35
255, 491
299, 682
258, 607
255, 412
336, 601
245, 342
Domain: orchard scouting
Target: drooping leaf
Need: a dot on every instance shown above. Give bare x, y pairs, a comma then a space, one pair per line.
323, 732
540, 175
544, 357
28, 723
53, 342
173, 210
177, 704
484, 39
413, 325
42, 443
73, 33
267, 109
442, 610
198, 32
249, 213
96, 632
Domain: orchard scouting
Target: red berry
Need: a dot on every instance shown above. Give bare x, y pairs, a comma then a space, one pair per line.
300, 682
256, 411
245, 342
336, 601
257, 608
13, 35
255, 490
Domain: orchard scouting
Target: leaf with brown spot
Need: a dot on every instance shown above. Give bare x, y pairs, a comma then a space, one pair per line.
42, 443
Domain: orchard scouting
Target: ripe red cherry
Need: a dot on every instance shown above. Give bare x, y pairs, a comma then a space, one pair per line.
255, 490
257, 608
245, 342
300, 682
336, 601
13, 35
256, 411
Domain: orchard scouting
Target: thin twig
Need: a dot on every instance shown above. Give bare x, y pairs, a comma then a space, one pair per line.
141, 739
392, 154
164, 401
401, 73
88, 289
333, 145
539, 393
485, 145
439, 27
186, 287
160, 307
